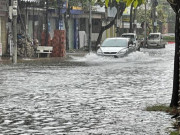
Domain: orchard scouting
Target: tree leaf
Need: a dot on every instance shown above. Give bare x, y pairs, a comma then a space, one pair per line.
128, 3
106, 3
135, 4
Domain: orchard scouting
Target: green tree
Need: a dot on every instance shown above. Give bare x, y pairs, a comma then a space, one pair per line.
141, 17
162, 16
120, 6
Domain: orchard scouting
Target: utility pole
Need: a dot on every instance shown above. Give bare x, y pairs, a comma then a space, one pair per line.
118, 23
135, 21
33, 24
145, 23
66, 18
154, 16
90, 26
15, 4
60, 15
46, 28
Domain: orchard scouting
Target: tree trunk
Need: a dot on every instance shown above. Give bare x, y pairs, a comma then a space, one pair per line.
134, 20
175, 98
131, 19
66, 18
103, 28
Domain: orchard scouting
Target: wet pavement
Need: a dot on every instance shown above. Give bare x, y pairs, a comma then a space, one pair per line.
88, 95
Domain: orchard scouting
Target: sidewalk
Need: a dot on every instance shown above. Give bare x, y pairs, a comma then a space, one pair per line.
35, 60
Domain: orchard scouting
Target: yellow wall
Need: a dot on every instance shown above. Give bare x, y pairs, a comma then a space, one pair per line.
3, 34
111, 32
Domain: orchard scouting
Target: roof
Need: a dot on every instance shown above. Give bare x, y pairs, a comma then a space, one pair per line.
31, 0
128, 34
155, 33
119, 38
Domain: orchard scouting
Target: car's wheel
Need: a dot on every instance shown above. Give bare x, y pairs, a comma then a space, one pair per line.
138, 49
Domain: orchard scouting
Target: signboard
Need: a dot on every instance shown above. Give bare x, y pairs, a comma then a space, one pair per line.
126, 19
76, 8
0, 49
112, 11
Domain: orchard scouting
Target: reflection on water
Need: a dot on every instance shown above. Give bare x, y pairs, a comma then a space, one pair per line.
107, 96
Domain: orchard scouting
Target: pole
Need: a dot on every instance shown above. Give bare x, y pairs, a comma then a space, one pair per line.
33, 24
15, 4
59, 27
46, 29
145, 29
66, 20
90, 25
154, 15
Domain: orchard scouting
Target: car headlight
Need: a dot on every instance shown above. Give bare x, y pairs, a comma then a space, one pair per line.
123, 51
99, 51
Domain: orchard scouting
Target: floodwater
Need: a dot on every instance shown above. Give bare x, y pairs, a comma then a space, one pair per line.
89, 95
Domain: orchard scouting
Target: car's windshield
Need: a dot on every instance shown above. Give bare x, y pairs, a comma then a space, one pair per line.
154, 36
129, 36
115, 43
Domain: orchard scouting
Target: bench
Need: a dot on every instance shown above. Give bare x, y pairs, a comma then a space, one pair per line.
44, 49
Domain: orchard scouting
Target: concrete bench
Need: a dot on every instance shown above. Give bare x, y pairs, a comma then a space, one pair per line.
44, 49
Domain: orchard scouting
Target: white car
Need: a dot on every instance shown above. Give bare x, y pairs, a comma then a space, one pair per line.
132, 37
116, 47
155, 40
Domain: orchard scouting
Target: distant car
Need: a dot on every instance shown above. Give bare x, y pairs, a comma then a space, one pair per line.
133, 37
116, 47
155, 40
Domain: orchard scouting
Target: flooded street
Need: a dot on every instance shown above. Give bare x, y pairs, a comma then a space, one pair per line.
88, 95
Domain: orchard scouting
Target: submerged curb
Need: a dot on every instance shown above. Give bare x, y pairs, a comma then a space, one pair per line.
43, 60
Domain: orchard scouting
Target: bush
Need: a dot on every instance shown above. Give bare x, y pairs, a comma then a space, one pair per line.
169, 38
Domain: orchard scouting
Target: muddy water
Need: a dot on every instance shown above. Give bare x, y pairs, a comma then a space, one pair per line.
92, 95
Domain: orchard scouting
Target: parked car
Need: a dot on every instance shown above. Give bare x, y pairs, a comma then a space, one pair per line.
155, 40
116, 47
134, 38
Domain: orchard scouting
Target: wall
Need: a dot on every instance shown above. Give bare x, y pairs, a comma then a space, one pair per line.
3, 34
